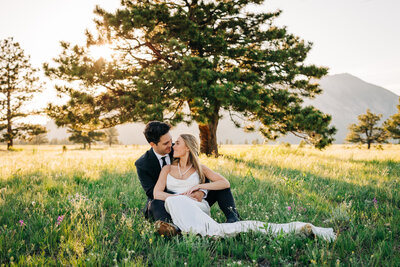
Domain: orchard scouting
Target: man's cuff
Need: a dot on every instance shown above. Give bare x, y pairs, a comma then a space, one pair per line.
205, 191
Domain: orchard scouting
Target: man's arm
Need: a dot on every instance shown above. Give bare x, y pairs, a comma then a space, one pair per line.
146, 180
198, 195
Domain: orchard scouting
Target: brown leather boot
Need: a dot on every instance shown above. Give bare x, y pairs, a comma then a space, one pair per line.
166, 229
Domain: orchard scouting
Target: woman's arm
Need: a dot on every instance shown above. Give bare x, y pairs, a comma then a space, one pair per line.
218, 182
161, 183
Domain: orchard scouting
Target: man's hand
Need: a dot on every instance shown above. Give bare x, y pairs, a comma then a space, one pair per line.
197, 195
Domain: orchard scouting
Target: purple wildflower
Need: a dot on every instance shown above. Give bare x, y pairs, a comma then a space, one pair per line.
375, 202
60, 219
21, 222
289, 208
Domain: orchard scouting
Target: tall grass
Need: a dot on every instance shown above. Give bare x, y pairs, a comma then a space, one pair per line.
84, 208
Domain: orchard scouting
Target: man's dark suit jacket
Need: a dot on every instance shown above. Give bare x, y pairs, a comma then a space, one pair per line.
148, 169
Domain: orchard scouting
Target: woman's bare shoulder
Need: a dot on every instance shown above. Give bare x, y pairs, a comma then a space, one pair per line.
204, 167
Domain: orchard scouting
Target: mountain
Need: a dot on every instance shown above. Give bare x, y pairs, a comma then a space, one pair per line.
344, 97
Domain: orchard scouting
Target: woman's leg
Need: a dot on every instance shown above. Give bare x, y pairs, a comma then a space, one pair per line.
190, 216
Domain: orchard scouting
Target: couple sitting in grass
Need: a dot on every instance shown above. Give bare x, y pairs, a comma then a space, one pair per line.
180, 191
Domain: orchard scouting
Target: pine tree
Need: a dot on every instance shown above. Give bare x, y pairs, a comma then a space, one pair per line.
39, 139
111, 137
392, 124
366, 130
38, 136
205, 57
81, 116
85, 138
18, 84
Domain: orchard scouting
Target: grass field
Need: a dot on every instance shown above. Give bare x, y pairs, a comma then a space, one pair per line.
84, 208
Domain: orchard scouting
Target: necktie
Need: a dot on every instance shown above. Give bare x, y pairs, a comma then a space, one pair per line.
163, 161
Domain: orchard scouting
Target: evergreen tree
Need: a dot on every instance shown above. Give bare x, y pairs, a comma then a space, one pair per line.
366, 130
111, 137
38, 136
202, 57
85, 138
18, 84
39, 139
81, 116
54, 141
392, 125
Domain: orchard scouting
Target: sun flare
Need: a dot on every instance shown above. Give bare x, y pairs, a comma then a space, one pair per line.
101, 51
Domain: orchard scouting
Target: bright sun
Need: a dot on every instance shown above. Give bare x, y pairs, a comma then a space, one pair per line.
103, 51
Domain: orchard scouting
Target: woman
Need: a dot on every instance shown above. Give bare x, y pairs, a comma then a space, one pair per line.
186, 175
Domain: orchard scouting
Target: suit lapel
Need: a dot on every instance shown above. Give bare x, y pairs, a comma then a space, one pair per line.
154, 161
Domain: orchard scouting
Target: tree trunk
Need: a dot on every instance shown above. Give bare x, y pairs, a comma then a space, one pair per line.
9, 144
9, 126
369, 145
208, 138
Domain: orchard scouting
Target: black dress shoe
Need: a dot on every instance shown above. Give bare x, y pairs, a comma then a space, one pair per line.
232, 219
167, 229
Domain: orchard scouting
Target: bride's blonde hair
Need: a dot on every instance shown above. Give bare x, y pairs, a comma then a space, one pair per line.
194, 149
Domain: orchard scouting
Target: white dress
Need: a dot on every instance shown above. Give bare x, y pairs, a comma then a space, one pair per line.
193, 216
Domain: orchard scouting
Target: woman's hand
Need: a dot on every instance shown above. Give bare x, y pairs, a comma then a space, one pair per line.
191, 190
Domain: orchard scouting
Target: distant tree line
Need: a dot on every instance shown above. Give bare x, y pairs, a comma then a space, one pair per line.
107, 136
368, 131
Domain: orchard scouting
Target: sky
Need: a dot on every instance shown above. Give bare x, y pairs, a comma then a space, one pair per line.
360, 37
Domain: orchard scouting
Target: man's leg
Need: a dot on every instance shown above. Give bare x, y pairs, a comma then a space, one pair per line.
158, 212
225, 202
163, 220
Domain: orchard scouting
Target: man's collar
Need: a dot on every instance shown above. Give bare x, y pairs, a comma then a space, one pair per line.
158, 155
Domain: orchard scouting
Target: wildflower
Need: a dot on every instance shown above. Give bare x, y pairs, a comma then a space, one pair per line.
151, 240
375, 202
289, 208
21, 222
60, 219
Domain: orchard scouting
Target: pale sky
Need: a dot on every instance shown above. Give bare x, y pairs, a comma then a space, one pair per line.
360, 37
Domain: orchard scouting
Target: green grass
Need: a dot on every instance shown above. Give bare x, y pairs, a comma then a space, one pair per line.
353, 190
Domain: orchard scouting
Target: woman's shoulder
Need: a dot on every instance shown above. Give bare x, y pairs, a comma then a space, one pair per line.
204, 168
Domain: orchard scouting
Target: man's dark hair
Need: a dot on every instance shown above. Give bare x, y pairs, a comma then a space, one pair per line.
154, 130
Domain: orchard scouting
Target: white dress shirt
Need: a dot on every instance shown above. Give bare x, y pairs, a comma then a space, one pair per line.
159, 157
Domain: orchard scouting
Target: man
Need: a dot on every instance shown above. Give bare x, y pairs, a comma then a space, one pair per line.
149, 166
